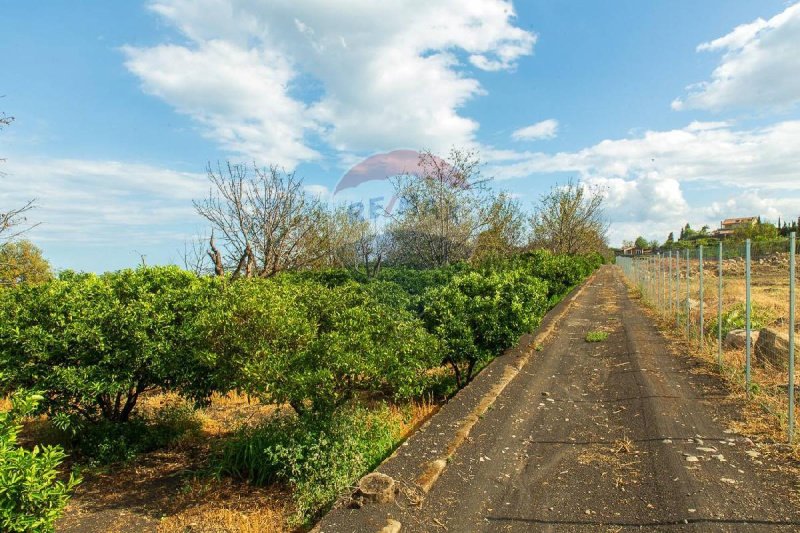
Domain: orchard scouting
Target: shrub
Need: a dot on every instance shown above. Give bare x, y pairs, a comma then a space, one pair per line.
476, 316
106, 443
94, 344
315, 347
32, 496
318, 457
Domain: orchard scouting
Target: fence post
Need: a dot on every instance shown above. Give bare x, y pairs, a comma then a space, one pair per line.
660, 273
688, 293
669, 286
702, 325
678, 288
792, 240
719, 307
748, 348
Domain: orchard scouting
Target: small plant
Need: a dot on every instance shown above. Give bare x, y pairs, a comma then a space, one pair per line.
318, 457
32, 496
735, 318
596, 336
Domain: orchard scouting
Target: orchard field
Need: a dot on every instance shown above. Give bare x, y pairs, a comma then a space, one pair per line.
158, 397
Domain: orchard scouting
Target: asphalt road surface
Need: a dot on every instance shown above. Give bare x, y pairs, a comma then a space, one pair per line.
616, 435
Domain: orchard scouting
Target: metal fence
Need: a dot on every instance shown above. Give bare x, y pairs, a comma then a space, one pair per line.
737, 302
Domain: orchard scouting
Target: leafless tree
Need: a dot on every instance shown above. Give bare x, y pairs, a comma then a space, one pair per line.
14, 221
361, 246
264, 220
442, 209
570, 220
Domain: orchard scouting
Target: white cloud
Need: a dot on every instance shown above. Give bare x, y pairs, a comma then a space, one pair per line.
388, 74
319, 191
237, 95
546, 129
744, 172
103, 202
758, 68
767, 157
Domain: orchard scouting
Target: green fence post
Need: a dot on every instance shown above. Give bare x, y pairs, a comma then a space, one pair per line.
747, 312
660, 283
792, 240
688, 293
719, 307
702, 325
669, 286
678, 288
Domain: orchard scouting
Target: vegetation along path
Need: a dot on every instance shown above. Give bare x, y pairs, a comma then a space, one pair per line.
595, 436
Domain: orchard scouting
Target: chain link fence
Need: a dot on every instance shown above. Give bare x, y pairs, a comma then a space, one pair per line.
736, 302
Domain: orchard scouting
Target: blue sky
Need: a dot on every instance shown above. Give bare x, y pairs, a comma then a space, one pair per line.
681, 110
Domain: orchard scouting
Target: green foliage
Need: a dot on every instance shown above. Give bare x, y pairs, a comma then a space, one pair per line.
734, 318
318, 457
596, 336
478, 315
32, 496
94, 344
315, 347
22, 262
107, 443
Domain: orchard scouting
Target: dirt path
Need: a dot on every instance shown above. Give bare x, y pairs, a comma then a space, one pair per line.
613, 435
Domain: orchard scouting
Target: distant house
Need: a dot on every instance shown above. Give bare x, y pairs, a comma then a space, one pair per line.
634, 250
729, 226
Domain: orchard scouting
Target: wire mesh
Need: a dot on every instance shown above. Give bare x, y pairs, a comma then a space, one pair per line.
739, 313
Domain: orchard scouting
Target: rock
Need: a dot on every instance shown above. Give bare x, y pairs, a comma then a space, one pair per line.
374, 488
737, 338
728, 480
719, 457
692, 458
772, 348
706, 449
753, 453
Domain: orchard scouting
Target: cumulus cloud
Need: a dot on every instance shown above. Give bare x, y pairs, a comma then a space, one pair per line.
744, 171
546, 129
386, 74
768, 156
757, 69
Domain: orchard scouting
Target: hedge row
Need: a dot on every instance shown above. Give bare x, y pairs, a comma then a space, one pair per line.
91, 345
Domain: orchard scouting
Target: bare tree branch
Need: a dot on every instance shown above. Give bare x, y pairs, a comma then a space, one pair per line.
442, 210
265, 220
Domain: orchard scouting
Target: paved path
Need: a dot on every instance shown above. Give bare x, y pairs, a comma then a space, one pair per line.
607, 436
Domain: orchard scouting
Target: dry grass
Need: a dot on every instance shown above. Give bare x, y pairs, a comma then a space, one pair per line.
161, 490
226, 506
764, 418
619, 459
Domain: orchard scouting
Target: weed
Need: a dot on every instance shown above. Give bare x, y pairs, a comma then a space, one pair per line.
596, 336
318, 457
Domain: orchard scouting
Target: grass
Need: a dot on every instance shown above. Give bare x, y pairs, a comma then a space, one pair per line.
596, 336
317, 457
